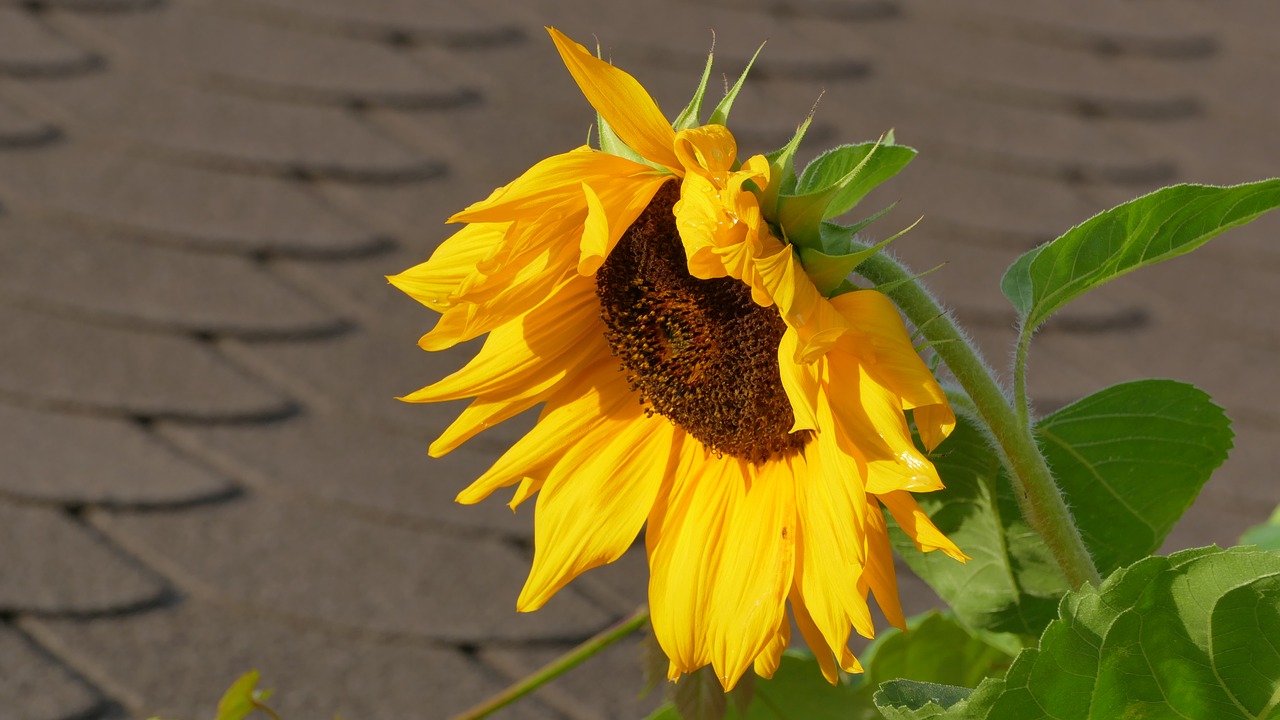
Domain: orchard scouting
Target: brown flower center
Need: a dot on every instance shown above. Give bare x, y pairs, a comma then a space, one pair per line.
701, 352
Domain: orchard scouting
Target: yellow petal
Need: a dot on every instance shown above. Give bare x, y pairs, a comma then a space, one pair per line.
608, 218
935, 423
434, 282
917, 525
621, 100
594, 245
879, 335
833, 521
528, 487
484, 413
709, 151
800, 382
599, 392
766, 664
756, 566
553, 181
817, 323
683, 538
596, 499
880, 576
827, 661
719, 219
526, 242
544, 344
535, 283
871, 416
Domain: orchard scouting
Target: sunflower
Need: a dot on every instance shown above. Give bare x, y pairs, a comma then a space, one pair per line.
694, 382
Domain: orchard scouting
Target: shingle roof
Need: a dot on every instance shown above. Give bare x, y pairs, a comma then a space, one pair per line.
205, 471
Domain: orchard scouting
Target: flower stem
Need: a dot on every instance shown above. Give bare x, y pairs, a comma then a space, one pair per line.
1020, 377
1039, 496
559, 666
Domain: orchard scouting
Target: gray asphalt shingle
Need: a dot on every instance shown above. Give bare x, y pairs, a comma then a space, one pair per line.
205, 467
58, 458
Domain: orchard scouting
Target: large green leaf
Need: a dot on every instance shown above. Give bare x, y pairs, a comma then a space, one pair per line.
1167, 223
905, 699
1011, 583
699, 696
1130, 460
936, 649
1192, 635
797, 691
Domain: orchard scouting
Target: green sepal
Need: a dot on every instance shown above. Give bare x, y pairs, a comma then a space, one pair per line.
690, 116
845, 286
863, 223
840, 254
782, 173
720, 116
855, 170
612, 144
834, 183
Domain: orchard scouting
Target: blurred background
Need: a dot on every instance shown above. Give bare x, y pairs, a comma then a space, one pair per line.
204, 470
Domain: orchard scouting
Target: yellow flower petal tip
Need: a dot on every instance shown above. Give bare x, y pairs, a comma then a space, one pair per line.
691, 381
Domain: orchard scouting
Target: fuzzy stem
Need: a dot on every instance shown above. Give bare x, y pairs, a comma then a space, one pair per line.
1041, 500
1020, 377
559, 666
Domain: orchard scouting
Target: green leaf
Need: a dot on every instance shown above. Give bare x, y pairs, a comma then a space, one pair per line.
798, 690
690, 116
1266, 536
241, 698
720, 116
666, 711
937, 652
1131, 459
699, 696
1192, 635
914, 700
1165, 224
937, 649
1011, 583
